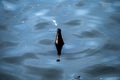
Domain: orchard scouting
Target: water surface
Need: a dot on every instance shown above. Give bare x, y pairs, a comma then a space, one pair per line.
90, 29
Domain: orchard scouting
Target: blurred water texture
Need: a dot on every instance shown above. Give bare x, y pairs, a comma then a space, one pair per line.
90, 29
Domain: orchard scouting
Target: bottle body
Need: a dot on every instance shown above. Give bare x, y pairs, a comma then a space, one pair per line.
59, 42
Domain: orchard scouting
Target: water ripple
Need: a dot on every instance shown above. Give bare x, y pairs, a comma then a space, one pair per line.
5, 44
90, 30
41, 25
46, 42
45, 74
88, 34
73, 22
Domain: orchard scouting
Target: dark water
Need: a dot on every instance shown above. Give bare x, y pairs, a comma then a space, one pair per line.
90, 29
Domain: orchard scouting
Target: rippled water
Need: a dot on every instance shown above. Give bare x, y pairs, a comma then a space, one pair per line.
90, 29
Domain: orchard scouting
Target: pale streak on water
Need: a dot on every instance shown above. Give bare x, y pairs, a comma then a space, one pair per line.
90, 29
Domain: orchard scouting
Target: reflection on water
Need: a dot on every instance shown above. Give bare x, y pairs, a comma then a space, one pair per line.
90, 30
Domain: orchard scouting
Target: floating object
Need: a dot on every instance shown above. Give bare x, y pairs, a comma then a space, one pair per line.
59, 43
58, 60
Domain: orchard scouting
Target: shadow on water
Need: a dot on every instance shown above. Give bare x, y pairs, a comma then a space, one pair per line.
45, 73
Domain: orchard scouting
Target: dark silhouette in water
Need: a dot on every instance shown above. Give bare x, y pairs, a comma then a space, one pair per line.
77, 78
59, 43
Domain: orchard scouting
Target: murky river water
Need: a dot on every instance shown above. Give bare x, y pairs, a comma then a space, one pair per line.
90, 29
